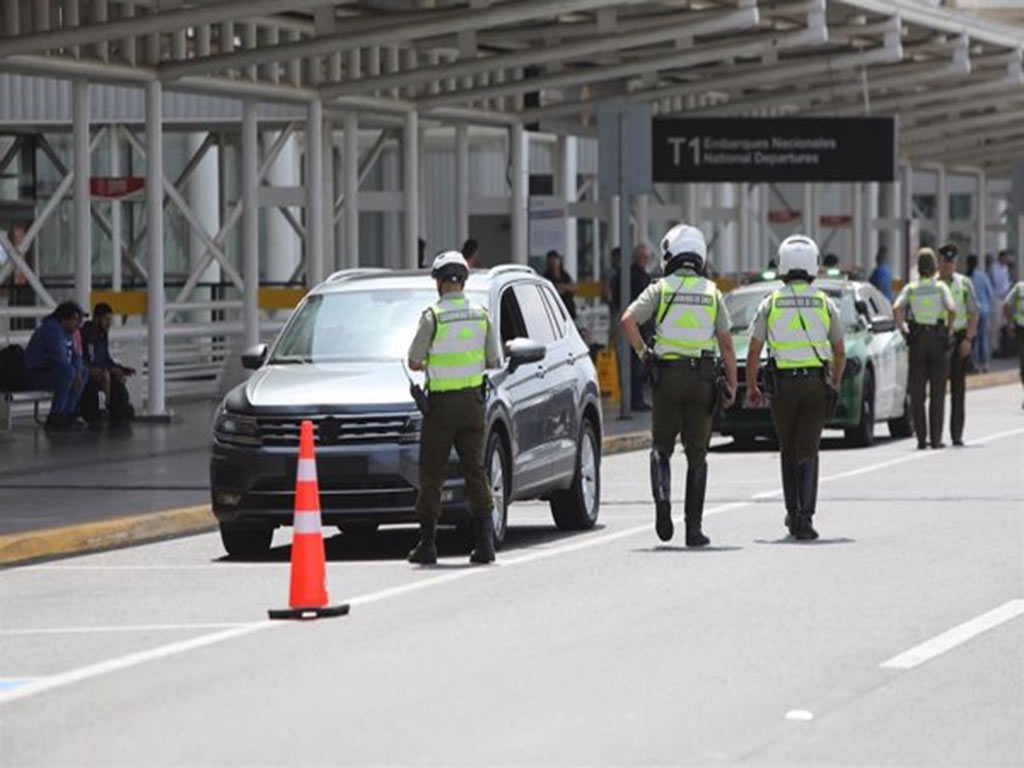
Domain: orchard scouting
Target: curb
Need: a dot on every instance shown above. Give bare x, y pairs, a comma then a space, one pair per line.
19, 548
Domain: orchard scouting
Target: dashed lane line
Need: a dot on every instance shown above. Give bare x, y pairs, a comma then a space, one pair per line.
80, 674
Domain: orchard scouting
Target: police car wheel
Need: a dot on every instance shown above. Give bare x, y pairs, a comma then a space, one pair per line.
902, 426
577, 508
497, 473
863, 435
246, 542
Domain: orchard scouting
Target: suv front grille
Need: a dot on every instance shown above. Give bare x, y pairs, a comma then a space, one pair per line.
342, 429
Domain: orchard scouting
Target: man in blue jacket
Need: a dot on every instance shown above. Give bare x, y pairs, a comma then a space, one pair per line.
53, 363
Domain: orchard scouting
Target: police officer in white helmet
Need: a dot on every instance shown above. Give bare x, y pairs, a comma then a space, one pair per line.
804, 332
691, 330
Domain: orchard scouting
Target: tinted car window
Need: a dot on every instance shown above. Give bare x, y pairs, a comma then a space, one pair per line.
512, 325
556, 309
538, 324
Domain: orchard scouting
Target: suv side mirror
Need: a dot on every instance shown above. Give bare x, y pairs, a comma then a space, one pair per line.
254, 357
523, 351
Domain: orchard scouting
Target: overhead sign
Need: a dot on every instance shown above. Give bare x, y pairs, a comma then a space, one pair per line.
774, 149
116, 187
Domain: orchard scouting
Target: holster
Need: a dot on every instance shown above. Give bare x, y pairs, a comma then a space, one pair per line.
831, 400
652, 373
420, 398
770, 378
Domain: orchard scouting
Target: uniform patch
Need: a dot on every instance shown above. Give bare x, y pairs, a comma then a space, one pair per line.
799, 302
459, 315
698, 299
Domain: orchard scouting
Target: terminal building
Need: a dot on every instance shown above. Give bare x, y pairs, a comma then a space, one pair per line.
199, 164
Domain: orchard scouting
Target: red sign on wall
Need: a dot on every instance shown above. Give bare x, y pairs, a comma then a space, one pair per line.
836, 220
115, 187
784, 216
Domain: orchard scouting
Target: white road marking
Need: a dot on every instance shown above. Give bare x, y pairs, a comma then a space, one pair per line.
947, 641
174, 649
800, 714
121, 628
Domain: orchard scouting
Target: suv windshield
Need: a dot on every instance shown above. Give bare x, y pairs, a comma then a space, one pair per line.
356, 325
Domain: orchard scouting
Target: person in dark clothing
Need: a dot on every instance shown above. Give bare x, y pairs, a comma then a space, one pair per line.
104, 375
562, 281
639, 279
471, 253
52, 363
881, 276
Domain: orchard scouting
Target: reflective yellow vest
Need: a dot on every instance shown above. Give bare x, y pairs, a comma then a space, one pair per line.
798, 327
457, 356
925, 299
958, 287
687, 310
1018, 304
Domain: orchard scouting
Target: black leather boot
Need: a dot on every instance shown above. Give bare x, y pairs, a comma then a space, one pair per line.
807, 492
661, 489
693, 506
483, 553
426, 551
789, 494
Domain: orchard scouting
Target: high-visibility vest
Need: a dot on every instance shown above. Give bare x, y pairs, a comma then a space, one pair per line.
687, 310
925, 299
958, 287
1018, 304
798, 327
457, 356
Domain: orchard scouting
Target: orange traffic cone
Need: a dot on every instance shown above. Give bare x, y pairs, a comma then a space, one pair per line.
308, 595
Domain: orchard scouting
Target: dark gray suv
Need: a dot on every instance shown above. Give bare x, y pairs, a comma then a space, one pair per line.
338, 362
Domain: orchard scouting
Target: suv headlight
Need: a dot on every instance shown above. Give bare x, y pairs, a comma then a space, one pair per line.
236, 428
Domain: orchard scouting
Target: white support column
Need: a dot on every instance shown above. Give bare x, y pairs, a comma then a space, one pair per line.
80, 192
314, 194
329, 196
155, 244
942, 205
614, 232
901, 267
410, 190
982, 217
870, 213
520, 152
116, 264
642, 216
250, 224
351, 185
808, 213
461, 183
692, 204
764, 253
744, 253
566, 180
857, 193
203, 195
282, 251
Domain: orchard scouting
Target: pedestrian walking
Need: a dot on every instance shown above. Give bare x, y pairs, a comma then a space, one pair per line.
881, 276
1014, 311
965, 332
455, 344
984, 293
690, 323
925, 313
804, 332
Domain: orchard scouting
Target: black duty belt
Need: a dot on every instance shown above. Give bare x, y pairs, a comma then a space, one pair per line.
686, 362
936, 328
811, 372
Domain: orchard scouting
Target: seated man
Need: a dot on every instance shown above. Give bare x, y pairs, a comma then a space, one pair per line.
52, 363
104, 375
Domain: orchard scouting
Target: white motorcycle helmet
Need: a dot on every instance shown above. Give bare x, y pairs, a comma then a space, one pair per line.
798, 254
450, 267
684, 245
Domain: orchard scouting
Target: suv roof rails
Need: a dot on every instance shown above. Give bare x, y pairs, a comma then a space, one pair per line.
502, 269
346, 274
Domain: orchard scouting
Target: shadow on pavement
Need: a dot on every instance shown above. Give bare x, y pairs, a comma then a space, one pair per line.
672, 548
396, 543
816, 543
769, 445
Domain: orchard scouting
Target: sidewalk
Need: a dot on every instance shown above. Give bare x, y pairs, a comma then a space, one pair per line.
86, 491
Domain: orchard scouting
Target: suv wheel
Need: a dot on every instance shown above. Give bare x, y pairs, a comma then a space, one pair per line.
246, 542
577, 508
863, 435
496, 462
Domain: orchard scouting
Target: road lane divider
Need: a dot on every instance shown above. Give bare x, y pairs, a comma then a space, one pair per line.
956, 636
421, 583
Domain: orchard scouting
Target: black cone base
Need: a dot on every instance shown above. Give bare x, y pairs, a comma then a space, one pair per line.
328, 611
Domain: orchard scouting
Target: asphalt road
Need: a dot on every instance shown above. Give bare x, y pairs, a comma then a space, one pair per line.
595, 648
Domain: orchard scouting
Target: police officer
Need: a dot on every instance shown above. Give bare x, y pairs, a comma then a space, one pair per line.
804, 332
454, 344
1013, 309
965, 330
931, 313
689, 318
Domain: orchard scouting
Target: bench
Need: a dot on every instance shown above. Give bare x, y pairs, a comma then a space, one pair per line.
9, 399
